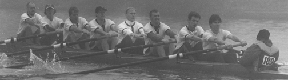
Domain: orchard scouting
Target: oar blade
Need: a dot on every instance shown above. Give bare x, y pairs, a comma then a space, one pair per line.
3, 60
19, 66
33, 60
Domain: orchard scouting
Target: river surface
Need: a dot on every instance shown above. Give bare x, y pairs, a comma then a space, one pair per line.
243, 18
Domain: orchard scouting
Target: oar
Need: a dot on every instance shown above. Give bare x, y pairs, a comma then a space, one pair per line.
96, 53
59, 45
154, 60
28, 37
54, 46
113, 51
20, 66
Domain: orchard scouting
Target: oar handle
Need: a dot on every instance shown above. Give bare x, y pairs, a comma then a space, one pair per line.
235, 45
239, 44
149, 45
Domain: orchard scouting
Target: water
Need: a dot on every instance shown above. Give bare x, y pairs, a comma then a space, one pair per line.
244, 18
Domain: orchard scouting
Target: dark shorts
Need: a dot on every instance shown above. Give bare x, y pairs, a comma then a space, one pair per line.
28, 32
186, 47
127, 42
83, 37
48, 40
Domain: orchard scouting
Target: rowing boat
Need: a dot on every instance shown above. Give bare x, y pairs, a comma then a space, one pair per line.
179, 65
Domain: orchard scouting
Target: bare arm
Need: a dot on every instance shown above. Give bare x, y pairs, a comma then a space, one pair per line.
193, 37
48, 28
75, 29
215, 40
31, 22
170, 33
113, 27
154, 37
234, 38
100, 31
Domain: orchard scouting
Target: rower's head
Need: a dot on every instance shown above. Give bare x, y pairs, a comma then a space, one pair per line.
73, 13
130, 13
100, 12
193, 18
214, 22
31, 8
155, 17
49, 10
263, 35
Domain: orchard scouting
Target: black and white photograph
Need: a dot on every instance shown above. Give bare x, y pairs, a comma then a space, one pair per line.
143, 39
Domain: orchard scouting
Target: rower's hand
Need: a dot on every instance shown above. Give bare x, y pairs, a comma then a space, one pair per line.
142, 35
109, 34
165, 40
58, 30
30, 21
168, 40
221, 43
86, 31
48, 28
244, 43
172, 39
138, 35
87, 27
73, 28
229, 46
225, 47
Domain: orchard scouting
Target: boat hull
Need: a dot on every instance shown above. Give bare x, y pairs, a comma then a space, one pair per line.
177, 65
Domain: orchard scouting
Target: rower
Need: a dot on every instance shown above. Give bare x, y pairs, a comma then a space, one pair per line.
50, 23
261, 54
131, 32
76, 29
156, 32
190, 36
30, 23
102, 27
215, 37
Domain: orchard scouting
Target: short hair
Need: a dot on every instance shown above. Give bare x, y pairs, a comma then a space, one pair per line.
194, 14
100, 8
28, 3
129, 8
153, 11
49, 6
73, 9
214, 17
263, 34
